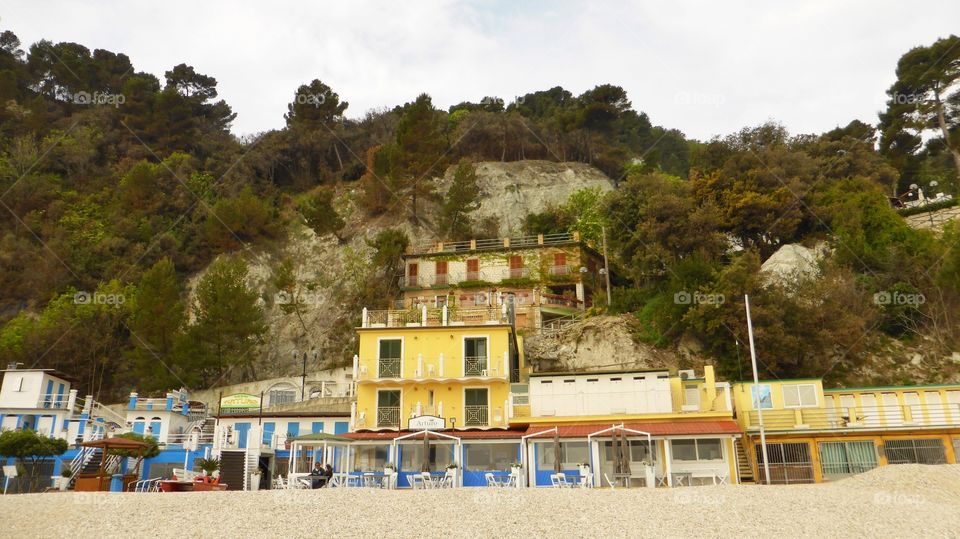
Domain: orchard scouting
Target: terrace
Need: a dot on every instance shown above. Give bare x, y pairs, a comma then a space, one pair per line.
494, 244
424, 317
857, 417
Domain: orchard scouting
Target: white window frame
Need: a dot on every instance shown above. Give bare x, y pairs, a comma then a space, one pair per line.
403, 344
783, 395
463, 350
463, 396
376, 407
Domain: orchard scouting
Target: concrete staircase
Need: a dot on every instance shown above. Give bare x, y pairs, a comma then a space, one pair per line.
743, 462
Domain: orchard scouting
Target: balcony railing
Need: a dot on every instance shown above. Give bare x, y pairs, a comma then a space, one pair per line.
388, 368
495, 243
561, 270
476, 416
441, 279
475, 366
388, 417
433, 317
53, 401
560, 301
474, 276
516, 273
858, 417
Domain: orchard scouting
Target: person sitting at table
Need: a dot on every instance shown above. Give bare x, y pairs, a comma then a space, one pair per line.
318, 476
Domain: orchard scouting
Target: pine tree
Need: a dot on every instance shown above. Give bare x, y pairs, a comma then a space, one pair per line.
460, 202
155, 324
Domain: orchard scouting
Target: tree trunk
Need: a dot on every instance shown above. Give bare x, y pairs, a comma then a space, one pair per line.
942, 122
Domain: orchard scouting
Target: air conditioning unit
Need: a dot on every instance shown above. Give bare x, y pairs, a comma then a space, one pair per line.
485, 372
687, 374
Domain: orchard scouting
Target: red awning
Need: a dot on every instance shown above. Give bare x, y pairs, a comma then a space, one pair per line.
462, 434
675, 428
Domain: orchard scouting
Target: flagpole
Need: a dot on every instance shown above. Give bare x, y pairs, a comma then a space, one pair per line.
756, 393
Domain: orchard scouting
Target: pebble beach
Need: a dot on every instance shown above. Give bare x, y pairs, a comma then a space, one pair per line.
904, 500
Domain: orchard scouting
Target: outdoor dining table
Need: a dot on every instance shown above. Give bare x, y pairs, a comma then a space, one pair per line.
373, 479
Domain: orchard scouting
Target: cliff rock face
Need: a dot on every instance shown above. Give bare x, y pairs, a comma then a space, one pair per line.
325, 266
509, 191
597, 343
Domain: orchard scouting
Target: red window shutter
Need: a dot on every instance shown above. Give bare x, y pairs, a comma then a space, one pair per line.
441, 267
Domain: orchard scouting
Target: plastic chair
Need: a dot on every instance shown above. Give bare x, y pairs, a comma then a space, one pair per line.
609, 482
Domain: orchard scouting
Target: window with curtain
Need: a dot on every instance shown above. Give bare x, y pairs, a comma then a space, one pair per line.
840, 459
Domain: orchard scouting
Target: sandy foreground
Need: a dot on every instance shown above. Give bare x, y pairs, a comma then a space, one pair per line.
905, 500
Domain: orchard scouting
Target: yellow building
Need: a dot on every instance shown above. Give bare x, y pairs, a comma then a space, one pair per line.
816, 434
678, 426
451, 364
545, 276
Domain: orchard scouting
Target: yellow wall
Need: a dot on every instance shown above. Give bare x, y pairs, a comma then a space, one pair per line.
448, 393
429, 343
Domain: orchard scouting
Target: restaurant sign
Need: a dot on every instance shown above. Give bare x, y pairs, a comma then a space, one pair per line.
427, 422
240, 401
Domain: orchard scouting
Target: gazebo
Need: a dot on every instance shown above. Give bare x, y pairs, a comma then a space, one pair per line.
324, 444
110, 465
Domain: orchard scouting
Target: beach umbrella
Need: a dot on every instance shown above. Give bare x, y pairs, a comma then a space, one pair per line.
557, 453
425, 467
615, 453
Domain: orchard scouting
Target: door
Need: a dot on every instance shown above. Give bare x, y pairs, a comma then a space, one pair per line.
317, 427
388, 408
440, 279
560, 264
473, 269
241, 430
412, 271
516, 267
138, 426
476, 409
155, 428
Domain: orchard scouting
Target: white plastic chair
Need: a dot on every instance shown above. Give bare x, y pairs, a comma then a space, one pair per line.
609, 482
491, 481
559, 480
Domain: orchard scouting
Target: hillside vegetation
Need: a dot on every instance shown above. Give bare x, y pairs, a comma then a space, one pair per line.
143, 245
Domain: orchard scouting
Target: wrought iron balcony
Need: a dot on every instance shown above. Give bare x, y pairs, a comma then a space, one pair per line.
388, 417
388, 368
475, 366
476, 416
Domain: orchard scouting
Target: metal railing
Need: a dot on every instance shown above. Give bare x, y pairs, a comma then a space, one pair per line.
54, 401
388, 416
388, 368
434, 317
563, 270
516, 273
475, 366
476, 416
441, 279
930, 415
560, 301
495, 243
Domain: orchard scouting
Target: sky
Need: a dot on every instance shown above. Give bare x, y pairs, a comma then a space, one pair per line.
706, 68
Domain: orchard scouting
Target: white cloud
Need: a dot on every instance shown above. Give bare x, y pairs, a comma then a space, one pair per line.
704, 68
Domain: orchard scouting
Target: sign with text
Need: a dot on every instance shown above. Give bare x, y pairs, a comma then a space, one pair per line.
427, 422
240, 401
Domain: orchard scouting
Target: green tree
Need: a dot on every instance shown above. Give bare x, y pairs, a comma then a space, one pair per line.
585, 209
156, 322
229, 320
925, 99
315, 105
30, 449
319, 213
149, 452
460, 202
421, 147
